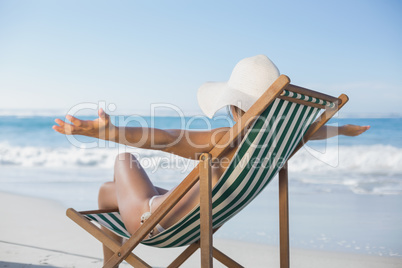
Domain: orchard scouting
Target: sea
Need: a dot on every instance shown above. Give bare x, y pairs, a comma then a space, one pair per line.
345, 193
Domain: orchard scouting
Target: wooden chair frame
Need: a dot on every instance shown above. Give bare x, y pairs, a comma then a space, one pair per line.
202, 173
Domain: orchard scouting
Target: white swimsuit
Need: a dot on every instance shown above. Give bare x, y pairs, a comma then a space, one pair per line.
146, 215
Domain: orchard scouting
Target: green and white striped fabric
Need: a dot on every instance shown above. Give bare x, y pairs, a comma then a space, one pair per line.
291, 94
260, 156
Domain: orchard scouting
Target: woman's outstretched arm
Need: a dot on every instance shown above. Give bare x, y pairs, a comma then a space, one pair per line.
326, 132
185, 143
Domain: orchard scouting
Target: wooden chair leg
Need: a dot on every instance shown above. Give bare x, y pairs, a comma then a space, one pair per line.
132, 259
284, 217
206, 210
185, 255
224, 259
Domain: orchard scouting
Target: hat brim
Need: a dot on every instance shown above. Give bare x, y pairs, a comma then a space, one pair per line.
212, 96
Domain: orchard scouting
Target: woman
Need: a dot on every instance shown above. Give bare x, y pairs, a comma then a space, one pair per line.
132, 192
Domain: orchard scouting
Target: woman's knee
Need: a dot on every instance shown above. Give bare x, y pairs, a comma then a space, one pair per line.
126, 160
107, 196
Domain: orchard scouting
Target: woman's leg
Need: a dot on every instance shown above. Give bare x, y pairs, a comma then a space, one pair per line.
129, 192
107, 200
133, 190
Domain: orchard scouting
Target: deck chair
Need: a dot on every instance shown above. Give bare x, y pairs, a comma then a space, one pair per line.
270, 132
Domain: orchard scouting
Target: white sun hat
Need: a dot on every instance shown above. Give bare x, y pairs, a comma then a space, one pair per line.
250, 78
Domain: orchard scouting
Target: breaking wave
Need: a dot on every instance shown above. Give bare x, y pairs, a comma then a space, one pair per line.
373, 159
374, 169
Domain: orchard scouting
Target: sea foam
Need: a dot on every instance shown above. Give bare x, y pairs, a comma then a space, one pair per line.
373, 169
372, 159
70, 157
369, 159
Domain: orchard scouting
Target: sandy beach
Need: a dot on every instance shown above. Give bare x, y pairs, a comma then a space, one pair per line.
36, 233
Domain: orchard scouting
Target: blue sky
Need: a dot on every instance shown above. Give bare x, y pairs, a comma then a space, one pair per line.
57, 54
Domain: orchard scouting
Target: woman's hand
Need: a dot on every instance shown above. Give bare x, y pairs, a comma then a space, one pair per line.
352, 130
100, 128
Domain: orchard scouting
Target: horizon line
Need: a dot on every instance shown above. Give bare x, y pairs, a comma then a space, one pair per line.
186, 113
